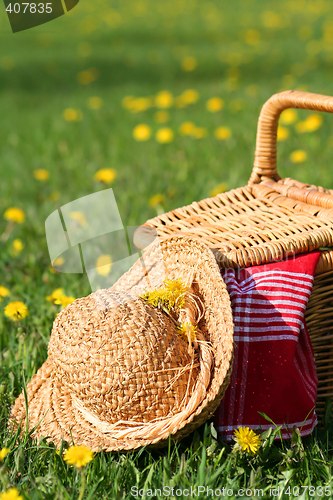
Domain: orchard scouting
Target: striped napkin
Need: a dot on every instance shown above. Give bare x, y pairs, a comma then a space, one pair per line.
274, 371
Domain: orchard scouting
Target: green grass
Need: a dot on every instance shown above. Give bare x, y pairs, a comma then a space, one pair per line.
137, 49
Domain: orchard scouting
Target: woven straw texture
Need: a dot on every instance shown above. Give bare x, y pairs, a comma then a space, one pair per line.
118, 375
268, 220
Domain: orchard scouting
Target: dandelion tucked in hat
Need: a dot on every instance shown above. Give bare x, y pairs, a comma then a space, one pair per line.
130, 365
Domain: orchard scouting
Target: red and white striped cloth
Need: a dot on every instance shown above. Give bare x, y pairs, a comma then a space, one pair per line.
274, 369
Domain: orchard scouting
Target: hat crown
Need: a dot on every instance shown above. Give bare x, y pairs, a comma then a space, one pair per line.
120, 358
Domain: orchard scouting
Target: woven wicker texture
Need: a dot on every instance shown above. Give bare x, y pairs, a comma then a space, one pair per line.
118, 375
266, 143
247, 226
319, 320
267, 220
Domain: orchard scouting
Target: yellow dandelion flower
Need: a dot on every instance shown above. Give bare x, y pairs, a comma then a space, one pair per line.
248, 440
190, 96
106, 175
312, 123
142, 132
189, 63
161, 116
104, 264
56, 294
175, 292
72, 115
214, 104
79, 217
17, 246
126, 102
87, 76
156, 200
252, 37
288, 116
16, 310
169, 296
79, 456
199, 132
154, 297
176, 285
11, 494
160, 298
164, 99
282, 133
3, 453
220, 188
222, 133
187, 331
272, 19
4, 292
14, 214
41, 174
64, 300
140, 104
186, 128
298, 156
58, 262
164, 135
95, 102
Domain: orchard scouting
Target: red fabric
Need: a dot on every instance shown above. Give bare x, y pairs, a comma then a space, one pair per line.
274, 369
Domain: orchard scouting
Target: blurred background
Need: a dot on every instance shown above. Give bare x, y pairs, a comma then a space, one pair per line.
158, 100
74, 90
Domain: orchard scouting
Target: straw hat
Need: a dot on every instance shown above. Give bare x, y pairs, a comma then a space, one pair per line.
126, 369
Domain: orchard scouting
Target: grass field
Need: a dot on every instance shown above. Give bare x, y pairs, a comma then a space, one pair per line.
72, 93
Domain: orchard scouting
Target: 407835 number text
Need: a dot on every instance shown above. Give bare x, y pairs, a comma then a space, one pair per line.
32, 8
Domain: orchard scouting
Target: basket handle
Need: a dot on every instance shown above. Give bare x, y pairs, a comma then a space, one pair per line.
265, 156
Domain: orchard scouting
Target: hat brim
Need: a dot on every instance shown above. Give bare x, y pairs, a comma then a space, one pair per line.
51, 406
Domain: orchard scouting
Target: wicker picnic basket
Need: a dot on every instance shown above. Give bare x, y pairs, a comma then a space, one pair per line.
267, 220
